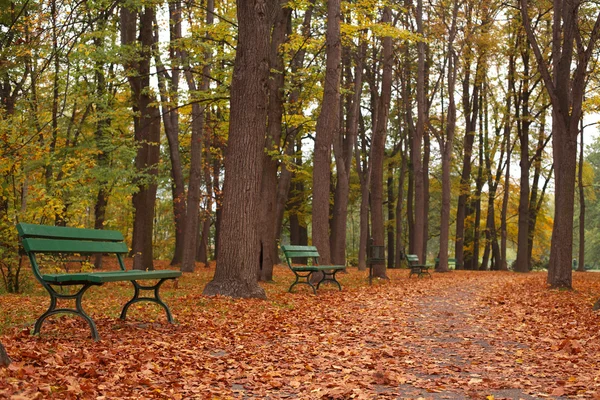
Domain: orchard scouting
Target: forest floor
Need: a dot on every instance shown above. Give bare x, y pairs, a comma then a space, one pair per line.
459, 335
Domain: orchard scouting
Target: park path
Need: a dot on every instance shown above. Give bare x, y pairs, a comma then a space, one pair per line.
453, 354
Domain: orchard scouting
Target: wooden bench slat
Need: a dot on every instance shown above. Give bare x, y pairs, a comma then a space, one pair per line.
36, 245
110, 276
60, 232
300, 254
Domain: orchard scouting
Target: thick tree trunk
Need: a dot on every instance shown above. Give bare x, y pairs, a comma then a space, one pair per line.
327, 130
566, 90
273, 144
239, 242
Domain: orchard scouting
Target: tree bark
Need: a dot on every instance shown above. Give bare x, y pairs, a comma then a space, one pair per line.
169, 94
581, 267
327, 130
4, 358
273, 144
378, 146
239, 241
192, 212
417, 161
566, 91
344, 149
446, 146
523, 122
147, 133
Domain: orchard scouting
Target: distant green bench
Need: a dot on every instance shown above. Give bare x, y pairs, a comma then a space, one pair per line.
303, 272
42, 240
452, 264
416, 268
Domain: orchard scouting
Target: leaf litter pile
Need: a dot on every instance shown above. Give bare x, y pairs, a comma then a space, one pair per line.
482, 335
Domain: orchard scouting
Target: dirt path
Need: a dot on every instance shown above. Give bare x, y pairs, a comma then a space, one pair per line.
451, 348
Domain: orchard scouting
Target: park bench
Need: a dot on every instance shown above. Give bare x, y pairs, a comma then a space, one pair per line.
452, 264
304, 272
62, 246
416, 268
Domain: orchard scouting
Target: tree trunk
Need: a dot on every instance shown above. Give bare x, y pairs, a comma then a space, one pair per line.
522, 262
4, 358
446, 146
293, 132
417, 161
364, 176
391, 242
566, 91
327, 130
273, 144
581, 267
503, 263
378, 146
344, 149
470, 110
239, 241
400, 245
536, 198
101, 135
192, 212
147, 133
168, 84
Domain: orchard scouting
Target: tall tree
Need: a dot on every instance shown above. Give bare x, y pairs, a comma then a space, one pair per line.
378, 144
446, 141
417, 152
271, 164
523, 116
565, 83
168, 84
327, 129
239, 242
343, 148
146, 127
190, 228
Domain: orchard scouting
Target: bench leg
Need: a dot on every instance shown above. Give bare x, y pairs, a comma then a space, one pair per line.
156, 299
306, 281
330, 277
52, 310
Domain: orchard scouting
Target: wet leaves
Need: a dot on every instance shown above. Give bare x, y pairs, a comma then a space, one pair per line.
483, 335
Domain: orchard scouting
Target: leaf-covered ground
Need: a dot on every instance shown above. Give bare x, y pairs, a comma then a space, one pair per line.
459, 335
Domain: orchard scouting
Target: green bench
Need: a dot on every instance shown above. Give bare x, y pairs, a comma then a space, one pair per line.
416, 268
304, 272
62, 244
452, 264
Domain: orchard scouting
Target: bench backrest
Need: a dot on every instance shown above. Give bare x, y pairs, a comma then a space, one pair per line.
296, 251
412, 258
45, 239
